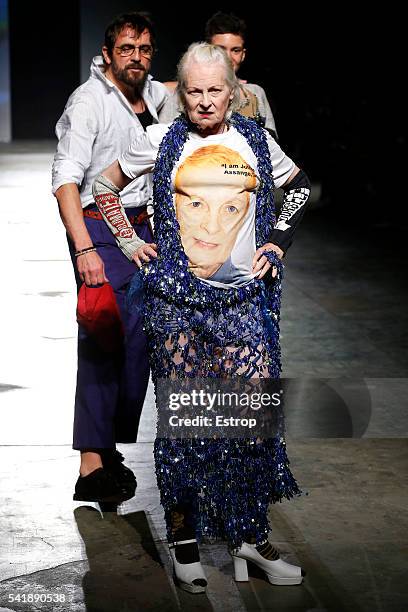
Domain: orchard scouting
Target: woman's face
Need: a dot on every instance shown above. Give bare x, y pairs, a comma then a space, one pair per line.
207, 96
211, 207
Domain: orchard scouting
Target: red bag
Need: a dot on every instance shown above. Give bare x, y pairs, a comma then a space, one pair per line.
98, 312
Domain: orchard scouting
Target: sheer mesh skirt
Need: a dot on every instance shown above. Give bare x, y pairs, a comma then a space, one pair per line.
228, 483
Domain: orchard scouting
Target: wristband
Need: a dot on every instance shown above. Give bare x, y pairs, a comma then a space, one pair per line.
84, 251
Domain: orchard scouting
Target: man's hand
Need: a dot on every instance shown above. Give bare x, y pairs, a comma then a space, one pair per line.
91, 269
261, 263
143, 253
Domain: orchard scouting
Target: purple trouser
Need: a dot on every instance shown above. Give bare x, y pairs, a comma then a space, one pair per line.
111, 387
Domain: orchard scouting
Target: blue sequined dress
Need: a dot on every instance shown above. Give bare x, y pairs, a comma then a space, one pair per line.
195, 329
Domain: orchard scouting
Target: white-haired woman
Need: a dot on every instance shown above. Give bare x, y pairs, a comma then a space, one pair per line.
211, 285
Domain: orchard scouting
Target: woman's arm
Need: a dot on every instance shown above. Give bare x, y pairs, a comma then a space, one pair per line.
115, 175
296, 187
106, 189
297, 191
139, 159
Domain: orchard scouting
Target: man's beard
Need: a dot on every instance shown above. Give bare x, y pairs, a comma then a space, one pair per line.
126, 76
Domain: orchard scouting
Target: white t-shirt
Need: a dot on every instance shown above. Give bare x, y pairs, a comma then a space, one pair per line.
214, 186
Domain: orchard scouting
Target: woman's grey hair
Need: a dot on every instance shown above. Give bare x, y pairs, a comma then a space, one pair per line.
205, 53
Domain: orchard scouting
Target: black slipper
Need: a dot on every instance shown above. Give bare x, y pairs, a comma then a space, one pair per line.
113, 461
100, 486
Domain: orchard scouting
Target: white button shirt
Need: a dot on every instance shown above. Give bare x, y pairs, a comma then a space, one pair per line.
97, 125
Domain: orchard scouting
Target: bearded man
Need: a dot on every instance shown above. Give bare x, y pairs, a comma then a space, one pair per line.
102, 116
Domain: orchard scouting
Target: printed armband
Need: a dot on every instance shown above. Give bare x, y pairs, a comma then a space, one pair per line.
297, 193
107, 199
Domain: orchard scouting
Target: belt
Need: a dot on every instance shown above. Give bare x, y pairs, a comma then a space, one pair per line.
134, 219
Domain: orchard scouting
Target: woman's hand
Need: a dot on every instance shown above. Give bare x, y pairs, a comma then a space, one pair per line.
261, 263
143, 253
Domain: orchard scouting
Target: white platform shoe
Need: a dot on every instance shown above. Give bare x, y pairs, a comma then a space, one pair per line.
277, 571
189, 576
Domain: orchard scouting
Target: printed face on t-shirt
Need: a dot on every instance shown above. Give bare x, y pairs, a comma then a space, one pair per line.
212, 199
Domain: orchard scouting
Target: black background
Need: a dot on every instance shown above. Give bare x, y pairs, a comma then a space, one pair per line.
334, 78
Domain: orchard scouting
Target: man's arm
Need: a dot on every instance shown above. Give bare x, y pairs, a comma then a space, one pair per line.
90, 265
70, 210
76, 131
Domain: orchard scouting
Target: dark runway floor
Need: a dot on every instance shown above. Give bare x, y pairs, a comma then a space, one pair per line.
352, 278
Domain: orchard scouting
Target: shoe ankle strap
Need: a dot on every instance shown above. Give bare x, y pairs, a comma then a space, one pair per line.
182, 542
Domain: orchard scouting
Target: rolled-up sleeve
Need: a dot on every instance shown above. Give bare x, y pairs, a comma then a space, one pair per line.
76, 131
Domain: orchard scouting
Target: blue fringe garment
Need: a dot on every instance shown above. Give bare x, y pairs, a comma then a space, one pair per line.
197, 330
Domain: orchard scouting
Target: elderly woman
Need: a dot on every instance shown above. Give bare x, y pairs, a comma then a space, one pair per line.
229, 32
211, 287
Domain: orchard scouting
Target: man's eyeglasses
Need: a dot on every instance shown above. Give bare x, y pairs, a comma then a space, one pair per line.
126, 50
